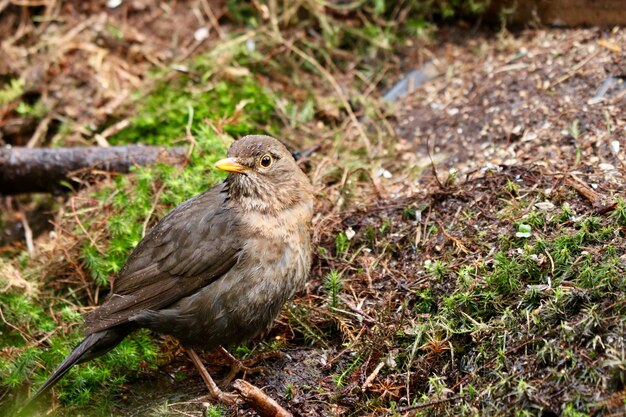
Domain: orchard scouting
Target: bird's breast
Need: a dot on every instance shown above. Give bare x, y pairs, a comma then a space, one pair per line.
284, 225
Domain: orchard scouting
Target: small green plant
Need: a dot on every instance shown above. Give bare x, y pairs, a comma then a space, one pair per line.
437, 268
571, 411
214, 411
512, 187
12, 91
37, 110
565, 214
619, 214
505, 277
340, 378
524, 230
342, 243
425, 302
289, 392
574, 131
535, 219
385, 227
409, 213
334, 285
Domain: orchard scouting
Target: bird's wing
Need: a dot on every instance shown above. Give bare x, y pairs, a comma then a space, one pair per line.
192, 246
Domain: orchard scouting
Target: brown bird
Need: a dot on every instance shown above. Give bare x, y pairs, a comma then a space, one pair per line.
217, 269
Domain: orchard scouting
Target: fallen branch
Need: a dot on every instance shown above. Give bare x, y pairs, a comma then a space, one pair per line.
24, 170
256, 399
584, 190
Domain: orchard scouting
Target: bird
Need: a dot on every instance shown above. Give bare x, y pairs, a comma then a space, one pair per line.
217, 269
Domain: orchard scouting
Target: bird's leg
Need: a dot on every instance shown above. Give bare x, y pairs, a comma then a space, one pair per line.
237, 365
214, 391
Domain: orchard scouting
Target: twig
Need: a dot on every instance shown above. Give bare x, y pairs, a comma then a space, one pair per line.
14, 327
580, 186
4, 4
610, 46
101, 138
372, 376
426, 226
28, 235
573, 71
551, 261
432, 164
256, 399
190, 137
212, 18
457, 242
151, 212
73, 32
24, 170
80, 224
41, 130
360, 312
181, 412
30, 3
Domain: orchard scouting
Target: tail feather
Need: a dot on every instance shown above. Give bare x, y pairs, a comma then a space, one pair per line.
94, 345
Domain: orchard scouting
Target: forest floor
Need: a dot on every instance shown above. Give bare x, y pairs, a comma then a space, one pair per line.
469, 233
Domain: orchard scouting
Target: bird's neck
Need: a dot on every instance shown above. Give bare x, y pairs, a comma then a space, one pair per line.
293, 221
261, 198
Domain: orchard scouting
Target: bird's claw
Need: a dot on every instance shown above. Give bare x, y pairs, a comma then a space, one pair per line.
245, 366
224, 397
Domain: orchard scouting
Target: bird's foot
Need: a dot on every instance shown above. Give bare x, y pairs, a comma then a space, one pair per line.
245, 366
225, 398
214, 391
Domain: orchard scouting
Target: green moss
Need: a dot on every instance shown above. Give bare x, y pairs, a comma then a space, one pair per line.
11, 91
506, 274
164, 115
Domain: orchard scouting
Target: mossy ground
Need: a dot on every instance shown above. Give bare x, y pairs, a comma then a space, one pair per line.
499, 294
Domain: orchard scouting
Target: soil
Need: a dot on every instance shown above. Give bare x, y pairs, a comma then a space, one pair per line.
513, 100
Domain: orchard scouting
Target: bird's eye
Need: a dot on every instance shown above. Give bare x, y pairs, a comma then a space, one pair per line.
266, 160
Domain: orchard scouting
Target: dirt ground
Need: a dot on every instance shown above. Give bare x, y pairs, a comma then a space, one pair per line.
541, 109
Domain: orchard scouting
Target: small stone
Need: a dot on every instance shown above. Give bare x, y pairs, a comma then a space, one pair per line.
112, 4
545, 205
382, 172
615, 147
201, 34
251, 45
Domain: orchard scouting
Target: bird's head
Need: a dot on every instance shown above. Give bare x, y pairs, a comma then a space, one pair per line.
264, 176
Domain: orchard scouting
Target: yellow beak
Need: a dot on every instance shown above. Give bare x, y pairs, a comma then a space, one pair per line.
230, 165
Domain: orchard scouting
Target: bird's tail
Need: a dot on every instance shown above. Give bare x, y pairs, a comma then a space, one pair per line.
94, 345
